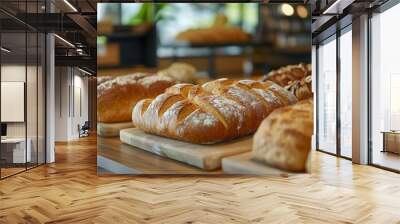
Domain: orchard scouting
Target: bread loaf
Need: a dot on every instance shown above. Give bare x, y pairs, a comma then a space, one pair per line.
285, 75
302, 89
214, 35
102, 79
213, 112
116, 97
180, 72
283, 139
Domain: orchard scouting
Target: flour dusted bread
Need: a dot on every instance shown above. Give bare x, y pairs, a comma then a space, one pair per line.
213, 112
103, 79
116, 97
283, 139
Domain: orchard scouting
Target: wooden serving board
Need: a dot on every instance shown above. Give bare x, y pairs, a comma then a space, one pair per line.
243, 164
206, 157
112, 129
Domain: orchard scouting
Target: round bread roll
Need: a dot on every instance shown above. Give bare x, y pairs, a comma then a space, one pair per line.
117, 97
283, 139
180, 72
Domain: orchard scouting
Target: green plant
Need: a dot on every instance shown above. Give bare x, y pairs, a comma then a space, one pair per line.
148, 13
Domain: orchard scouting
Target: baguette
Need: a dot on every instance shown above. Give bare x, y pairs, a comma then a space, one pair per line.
216, 111
283, 139
116, 97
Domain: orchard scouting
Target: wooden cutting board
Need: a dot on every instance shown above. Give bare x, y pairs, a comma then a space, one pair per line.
112, 129
206, 157
243, 164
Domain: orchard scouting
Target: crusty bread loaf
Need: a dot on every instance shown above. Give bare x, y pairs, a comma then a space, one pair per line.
302, 89
216, 111
180, 72
214, 35
283, 139
116, 97
287, 74
102, 79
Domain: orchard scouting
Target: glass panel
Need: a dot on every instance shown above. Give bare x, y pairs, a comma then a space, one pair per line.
13, 86
385, 84
327, 97
346, 94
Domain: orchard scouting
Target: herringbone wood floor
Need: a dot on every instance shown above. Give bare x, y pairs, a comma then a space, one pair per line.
69, 191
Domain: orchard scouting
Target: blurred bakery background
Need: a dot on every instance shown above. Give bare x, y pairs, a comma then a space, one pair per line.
217, 40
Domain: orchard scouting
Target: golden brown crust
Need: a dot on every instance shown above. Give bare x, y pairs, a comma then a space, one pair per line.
219, 110
117, 97
214, 35
287, 74
283, 139
302, 89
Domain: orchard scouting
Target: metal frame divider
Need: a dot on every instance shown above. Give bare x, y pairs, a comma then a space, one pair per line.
338, 73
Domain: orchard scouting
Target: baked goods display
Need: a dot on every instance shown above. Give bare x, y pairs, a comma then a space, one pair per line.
180, 72
287, 74
220, 32
283, 139
116, 97
302, 89
216, 111
214, 35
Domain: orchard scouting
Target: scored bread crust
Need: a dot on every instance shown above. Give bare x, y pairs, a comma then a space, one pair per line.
116, 97
289, 73
216, 111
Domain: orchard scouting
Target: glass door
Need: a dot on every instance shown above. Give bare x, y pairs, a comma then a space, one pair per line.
385, 89
345, 93
22, 77
326, 96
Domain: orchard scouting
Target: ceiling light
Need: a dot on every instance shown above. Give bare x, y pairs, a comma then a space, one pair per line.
302, 11
5, 50
287, 9
65, 41
70, 5
84, 71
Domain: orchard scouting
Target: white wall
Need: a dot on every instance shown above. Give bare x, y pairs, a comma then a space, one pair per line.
70, 83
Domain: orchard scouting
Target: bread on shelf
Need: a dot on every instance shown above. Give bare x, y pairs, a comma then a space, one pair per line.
289, 73
180, 72
302, 89
216, 111
214, 35
116, 97
283, 139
